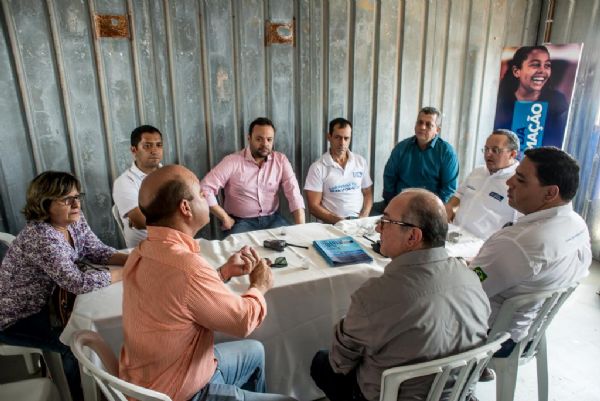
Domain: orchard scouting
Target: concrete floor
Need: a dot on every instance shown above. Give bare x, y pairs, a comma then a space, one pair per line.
573, 352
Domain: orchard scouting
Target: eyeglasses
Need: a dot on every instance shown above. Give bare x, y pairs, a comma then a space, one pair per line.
382, 222
493, 150
70, 200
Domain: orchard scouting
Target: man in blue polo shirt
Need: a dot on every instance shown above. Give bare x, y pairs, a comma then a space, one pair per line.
422, 161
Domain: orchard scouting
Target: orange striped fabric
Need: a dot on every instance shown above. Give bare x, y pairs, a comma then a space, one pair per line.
173, 300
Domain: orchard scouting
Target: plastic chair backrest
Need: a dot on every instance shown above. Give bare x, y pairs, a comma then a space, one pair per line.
112, 387
465, 368
551, 301
115, 213
6, 237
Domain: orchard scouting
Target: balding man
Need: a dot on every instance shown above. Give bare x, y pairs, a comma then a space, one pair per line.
426, 305
173, 301
480, 204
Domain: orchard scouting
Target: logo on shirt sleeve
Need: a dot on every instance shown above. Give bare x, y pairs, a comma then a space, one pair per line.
496, 196
480, 273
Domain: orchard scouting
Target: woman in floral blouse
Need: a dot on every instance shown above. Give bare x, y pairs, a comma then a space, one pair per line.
44, 255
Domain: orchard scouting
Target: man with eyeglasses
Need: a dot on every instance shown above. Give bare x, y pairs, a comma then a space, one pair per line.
424, 160
480, 205
426, 305
147, 151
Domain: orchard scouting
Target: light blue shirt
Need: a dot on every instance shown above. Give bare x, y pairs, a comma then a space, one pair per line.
435, 168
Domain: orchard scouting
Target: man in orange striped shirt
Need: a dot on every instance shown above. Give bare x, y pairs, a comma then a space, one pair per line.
173, 301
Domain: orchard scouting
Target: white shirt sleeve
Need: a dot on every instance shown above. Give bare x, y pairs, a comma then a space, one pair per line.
314, 178
366, 178
501, 264
125, 195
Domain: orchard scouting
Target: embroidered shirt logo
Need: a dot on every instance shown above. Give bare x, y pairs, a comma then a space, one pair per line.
496, 196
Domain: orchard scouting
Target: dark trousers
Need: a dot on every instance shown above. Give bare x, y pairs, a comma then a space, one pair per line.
243, 225
36, 331
336, 386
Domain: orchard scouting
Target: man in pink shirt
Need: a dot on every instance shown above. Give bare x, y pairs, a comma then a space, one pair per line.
251, 179
173, 301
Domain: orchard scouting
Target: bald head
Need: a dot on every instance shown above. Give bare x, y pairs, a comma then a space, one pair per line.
162, 192
426, 211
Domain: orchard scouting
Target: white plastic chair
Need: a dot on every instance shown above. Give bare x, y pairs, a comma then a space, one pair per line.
53, 359
112, 387
465, 368
6, 237
115, 213
507, 368
16, 350
39, 389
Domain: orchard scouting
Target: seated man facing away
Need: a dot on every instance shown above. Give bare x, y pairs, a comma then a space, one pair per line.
546, 249
480, 205
424, 160
173, 301
338, 185
251, 179
425, 306
147, 151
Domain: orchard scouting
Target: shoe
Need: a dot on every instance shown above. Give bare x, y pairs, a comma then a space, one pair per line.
487, 375
471, 397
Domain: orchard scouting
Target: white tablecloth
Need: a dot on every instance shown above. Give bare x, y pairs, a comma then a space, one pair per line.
308, 298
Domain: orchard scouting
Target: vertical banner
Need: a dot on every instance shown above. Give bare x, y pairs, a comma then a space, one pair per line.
535, 92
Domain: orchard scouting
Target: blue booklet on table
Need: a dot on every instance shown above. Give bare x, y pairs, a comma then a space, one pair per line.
342, 251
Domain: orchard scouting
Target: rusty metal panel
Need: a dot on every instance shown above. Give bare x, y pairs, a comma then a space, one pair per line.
111, 26
310, 110
220, 79
17, 165
338, 57
363, 76
578, 22
32, 48
151, 70
386, 90
252, 63
281, 76
83, 117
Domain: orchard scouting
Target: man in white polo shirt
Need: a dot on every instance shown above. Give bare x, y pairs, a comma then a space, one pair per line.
338, 185
147, 151
546, 249
480, 204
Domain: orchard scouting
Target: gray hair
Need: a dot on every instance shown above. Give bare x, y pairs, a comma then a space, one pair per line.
513, 139
426, 211
430, 110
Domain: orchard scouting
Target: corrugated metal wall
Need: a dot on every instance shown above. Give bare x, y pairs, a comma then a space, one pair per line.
200, 71
576, 22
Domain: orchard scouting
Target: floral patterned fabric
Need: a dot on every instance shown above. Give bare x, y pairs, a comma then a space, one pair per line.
39, 259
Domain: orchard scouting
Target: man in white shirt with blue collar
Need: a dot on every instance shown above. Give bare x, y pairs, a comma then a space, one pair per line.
147, 151
480, 204
338, 185
546, 249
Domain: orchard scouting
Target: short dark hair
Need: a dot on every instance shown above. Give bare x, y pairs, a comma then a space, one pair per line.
45, 188
338, 122
430, 110
260, 121
427, 213
556, 167
136, 134
513, 139
166, 202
